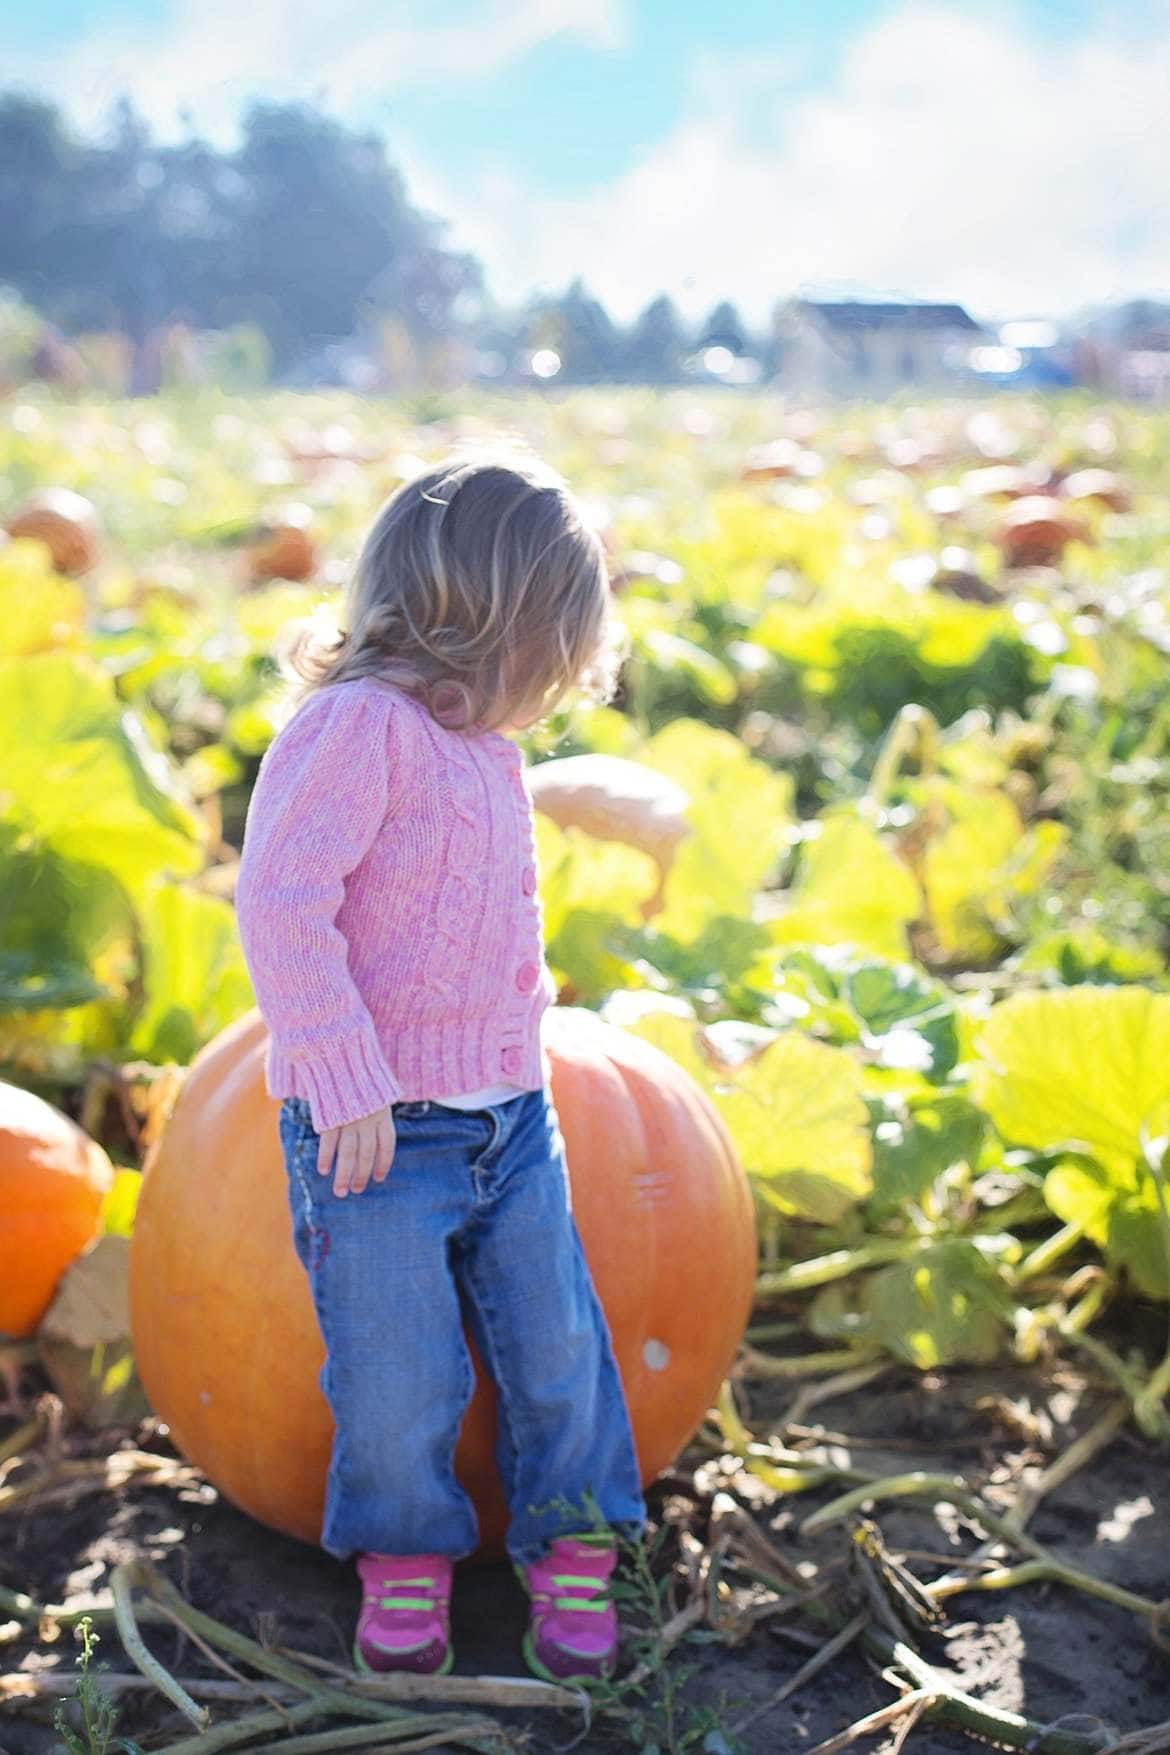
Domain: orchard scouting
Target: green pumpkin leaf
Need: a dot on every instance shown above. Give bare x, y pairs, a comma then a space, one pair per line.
592, 894
1080, 1068
1121, 1216
917, 1139
794, 1110
1086, 1070
946, 1306
1086, 954
974, 870
730, 958
676, 655
194, 973
739, 814
80, 778
851, 889
121, 1202
909, 1019
39, 610
61, 919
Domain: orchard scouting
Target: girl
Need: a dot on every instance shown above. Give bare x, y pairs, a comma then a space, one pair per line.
389, 917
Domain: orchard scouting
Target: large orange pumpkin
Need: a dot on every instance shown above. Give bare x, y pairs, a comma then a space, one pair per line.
53, 1179
224, 1331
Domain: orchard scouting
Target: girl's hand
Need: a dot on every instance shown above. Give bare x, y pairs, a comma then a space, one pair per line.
365, 1149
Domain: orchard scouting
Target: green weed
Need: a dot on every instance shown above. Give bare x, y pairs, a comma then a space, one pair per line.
99, 1715
655, 1713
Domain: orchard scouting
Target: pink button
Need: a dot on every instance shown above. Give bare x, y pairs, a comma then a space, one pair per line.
510, 1060
527, 976
528, 881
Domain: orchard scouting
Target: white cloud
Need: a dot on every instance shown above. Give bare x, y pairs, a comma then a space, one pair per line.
953, 155
208, 57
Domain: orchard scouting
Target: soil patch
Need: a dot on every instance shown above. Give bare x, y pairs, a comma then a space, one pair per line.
1040, 1649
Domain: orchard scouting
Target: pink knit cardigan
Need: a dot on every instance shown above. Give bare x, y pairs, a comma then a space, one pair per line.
387, 907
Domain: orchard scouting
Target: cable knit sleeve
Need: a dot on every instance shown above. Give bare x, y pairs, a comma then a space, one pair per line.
323, 790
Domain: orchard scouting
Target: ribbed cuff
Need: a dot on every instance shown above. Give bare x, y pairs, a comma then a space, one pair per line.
344, 1079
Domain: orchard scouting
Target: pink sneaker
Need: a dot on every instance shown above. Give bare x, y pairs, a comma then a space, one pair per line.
403, 1621
573, 1627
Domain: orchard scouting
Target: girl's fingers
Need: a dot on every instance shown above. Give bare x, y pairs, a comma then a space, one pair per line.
326, 1149
346, 1161
387, 1140
364, 1149
365, 1152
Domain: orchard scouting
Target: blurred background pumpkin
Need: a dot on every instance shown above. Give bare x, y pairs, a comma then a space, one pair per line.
53, 1179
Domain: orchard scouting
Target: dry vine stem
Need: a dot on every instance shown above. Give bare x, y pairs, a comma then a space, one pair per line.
21, 1440
1083, 1449
914, 1704
1154, 1741
516, 1692
60, 1685
519, 1691
213, 1657
935, 1693
72, 1479
122, 1582
390, 1724
948, 1701
1042, 1565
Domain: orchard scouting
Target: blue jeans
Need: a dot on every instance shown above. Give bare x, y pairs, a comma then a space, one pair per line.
472, 1225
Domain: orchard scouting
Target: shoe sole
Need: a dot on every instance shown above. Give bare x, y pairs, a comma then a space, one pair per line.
546, 1675
367, 1669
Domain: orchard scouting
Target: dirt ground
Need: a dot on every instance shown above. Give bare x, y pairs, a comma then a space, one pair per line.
1040, 1649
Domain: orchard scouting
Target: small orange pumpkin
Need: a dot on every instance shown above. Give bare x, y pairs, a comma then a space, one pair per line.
67, 524
53, 1179
1035, 531
283, 548
224, 1331
781, 460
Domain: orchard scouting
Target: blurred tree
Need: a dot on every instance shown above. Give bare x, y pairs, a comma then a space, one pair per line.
576, 326
322, 223
591, 347
305, 230
724, 328
38, 176
656, 344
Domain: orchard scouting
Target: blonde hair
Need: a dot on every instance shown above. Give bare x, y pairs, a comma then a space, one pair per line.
479, 590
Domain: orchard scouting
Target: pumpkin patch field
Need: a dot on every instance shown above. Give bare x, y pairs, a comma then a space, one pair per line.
857, 898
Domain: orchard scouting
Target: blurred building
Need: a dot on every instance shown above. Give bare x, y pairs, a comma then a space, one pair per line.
1141, 366
1124, 350
859, 348
1029, 353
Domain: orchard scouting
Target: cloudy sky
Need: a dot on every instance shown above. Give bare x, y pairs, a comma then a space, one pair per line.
1010, 153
